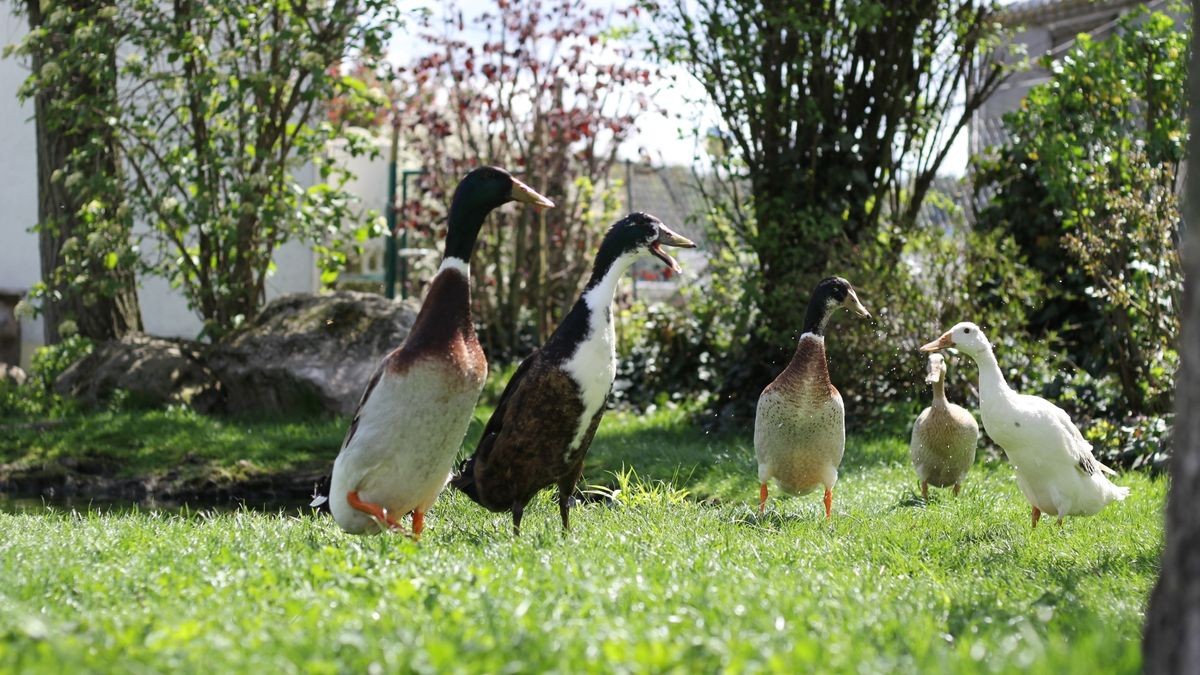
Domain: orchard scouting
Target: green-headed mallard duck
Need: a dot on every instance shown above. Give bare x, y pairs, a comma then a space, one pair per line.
550, 409
800, 428
414, 413
1054, 464
943, 437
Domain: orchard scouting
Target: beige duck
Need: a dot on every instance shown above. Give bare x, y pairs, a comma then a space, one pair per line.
943, 437
800, 427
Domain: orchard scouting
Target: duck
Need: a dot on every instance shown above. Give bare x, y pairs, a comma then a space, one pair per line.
550, 409
800, 422
943, 437
413, 415
1054, 465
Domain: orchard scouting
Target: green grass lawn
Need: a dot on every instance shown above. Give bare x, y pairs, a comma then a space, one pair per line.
651, 580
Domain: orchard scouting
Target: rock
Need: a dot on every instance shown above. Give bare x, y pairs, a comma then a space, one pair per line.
11, 373
154, 372
307, 354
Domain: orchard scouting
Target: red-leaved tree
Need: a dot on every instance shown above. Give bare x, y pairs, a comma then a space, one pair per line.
549, 91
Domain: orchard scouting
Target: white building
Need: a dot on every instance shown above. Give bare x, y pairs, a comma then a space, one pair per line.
164, 311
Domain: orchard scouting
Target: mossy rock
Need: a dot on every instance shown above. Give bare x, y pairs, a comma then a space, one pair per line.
310, 354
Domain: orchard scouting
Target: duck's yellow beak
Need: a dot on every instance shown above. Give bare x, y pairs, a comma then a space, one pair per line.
853, 304
527, 195
944, 342
669, 237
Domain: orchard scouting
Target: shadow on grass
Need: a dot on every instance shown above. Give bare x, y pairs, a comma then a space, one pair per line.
710, 465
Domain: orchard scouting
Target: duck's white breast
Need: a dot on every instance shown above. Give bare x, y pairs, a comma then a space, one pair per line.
408, 433
593, 367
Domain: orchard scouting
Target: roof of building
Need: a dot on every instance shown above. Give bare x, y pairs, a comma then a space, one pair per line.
1043, 11
668, 192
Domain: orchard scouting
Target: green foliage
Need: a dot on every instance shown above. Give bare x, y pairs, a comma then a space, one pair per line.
649, 579
664, 353
1089, 170
36, 398
221, 107
49, 362
836, 116
84, 231
943, 278
1138, 442
231, 112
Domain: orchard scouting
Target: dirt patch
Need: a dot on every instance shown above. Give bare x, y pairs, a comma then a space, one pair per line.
192, 482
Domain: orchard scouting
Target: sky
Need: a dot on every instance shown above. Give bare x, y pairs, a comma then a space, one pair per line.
665, 139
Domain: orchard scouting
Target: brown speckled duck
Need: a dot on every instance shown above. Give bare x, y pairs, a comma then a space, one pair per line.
550, 409
800, 429
414, 413
943, 437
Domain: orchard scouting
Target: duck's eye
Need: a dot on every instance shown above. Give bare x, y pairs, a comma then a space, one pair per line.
967, 331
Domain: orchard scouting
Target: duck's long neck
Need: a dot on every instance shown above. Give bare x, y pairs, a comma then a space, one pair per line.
991, 380
466, 218
817, 315
939, 393
602, 286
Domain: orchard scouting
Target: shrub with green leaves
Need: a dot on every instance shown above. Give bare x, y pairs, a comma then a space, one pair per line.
218, 109
1085, 185
36, 397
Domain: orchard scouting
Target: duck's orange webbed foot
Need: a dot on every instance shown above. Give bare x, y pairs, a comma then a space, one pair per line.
418, 524
828, 503
371, 509
762, 498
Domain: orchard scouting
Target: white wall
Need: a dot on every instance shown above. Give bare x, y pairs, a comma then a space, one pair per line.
19, 262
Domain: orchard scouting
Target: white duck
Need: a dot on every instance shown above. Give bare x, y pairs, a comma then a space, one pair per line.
943, 437
1054, 464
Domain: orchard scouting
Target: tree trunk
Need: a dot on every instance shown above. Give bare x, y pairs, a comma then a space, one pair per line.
107, 307
1173, 619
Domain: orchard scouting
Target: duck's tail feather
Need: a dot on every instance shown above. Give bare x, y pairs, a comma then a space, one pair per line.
463, 479
1117, 492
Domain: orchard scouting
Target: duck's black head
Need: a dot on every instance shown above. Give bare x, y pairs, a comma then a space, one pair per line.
635, 236
831, 293
489, 187
479, 192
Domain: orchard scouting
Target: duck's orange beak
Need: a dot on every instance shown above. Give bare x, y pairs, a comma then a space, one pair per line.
944, 342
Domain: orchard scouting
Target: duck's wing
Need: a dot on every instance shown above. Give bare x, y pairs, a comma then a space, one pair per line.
496, 423
1077, 446
375, 377
463, 478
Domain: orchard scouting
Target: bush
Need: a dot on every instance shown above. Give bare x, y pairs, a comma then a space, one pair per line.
1140, 442
665, 354
935, 280
1086, 185
36, 397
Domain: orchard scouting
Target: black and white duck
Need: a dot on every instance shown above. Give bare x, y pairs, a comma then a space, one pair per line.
415, 410
800, 426
550, 409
